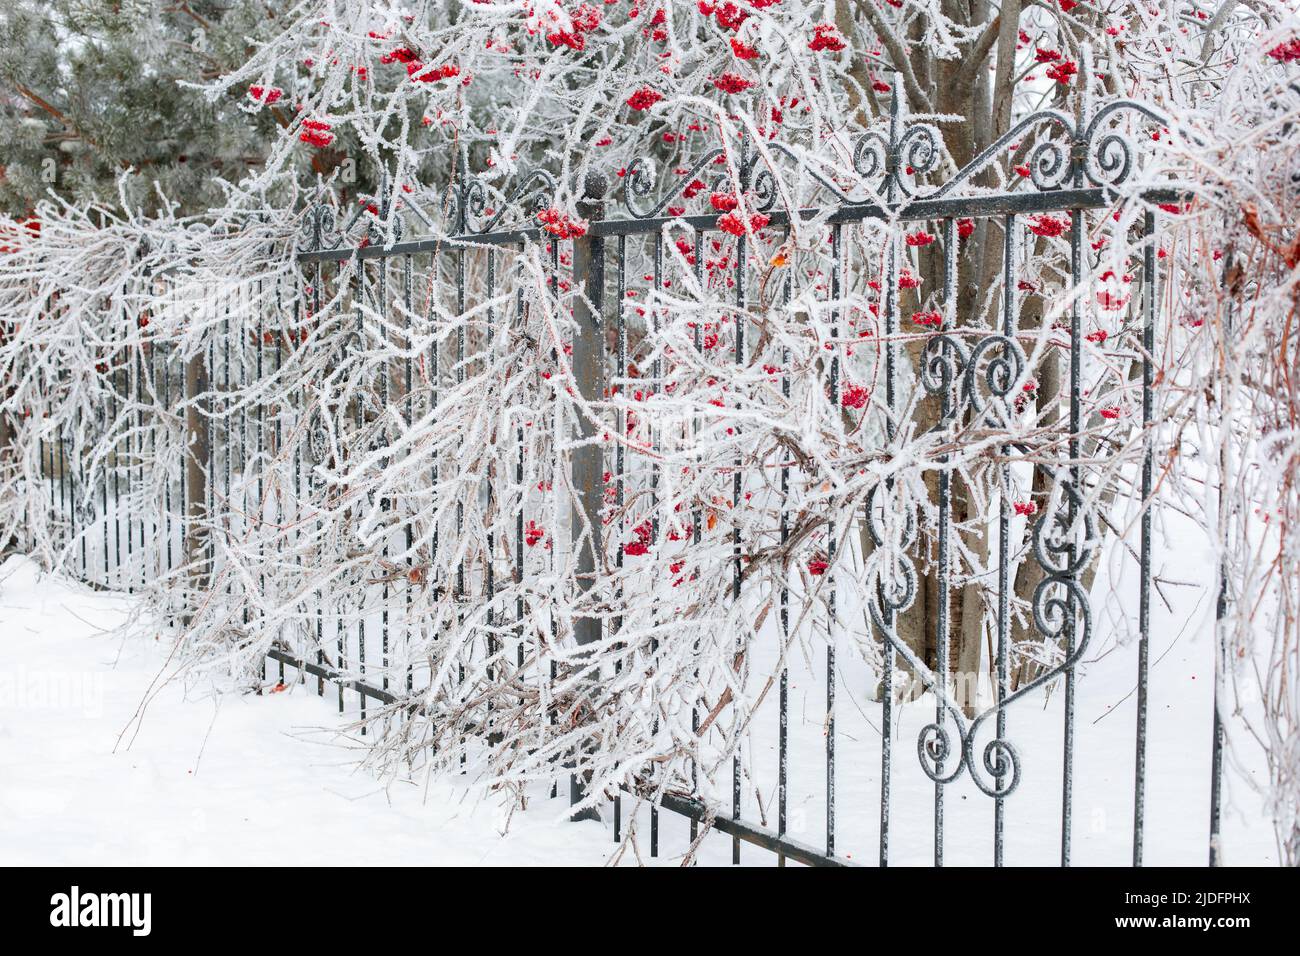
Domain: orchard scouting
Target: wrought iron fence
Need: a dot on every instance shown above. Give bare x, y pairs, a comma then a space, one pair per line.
221, 461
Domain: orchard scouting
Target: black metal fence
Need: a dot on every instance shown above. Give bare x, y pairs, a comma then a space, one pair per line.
231, 469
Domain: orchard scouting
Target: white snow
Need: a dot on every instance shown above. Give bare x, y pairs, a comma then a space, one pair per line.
226, 779
105, 759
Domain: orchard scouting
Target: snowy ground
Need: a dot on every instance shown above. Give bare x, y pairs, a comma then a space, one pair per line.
103, 760
229, 779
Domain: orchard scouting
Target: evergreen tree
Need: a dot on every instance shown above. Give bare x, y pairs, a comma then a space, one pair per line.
92, 88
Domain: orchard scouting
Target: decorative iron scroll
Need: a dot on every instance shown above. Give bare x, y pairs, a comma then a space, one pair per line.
888, 166
983, 381
1058, 599
468, 207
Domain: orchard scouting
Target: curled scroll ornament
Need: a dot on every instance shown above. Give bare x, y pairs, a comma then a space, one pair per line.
943, 367
471, 211
319, 230
998, 376
756, 175
985, 382
894, 578
913, 153
1058, 600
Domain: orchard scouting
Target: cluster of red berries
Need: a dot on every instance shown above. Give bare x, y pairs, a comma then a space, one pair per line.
736, 225
585, 19
644, 98
316, 133
732, 83
644, 536
1048, 226
400, 55
1286, 52
1027, 392
264, 94
693, 189
1062, 72
855, 396
432, 74
728, 15
826, 37
560, 224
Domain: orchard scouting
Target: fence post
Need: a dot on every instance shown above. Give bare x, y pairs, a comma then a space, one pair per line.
196, 456
588, 460
9, 426
8, 447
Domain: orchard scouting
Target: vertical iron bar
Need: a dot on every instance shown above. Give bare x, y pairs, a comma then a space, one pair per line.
225, 433
941, 637
460, 380
1220, 614
741, 252
114, 377
489, 577
315, 296
360, 420
408, 282
108, 462
132, 399
620, 372
1076, 411
697, 336
139, 450
891, 328
1144, 596
1004, 537
436, 468
519, 514
783, 718
1217, 740
280, 344
297, 334
385, 501
151, 392
836, 253
210, 464
244, 524
655, 372
78, 533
